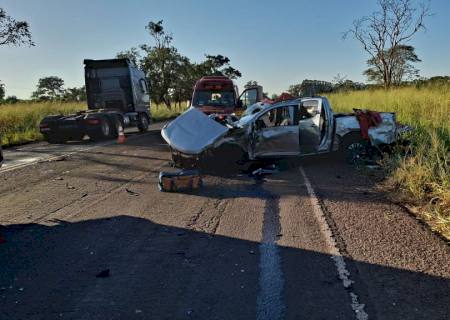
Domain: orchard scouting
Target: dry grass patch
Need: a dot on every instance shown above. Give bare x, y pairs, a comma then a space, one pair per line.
419, 175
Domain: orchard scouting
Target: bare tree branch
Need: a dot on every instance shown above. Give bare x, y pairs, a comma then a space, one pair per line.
381, 33
13, 32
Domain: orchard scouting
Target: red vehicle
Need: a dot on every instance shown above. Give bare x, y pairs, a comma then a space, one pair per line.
220, 95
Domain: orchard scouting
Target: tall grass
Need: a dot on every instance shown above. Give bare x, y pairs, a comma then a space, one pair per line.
19, 123
420, 174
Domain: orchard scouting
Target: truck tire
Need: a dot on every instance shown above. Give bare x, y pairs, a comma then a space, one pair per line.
143, 122
105, 130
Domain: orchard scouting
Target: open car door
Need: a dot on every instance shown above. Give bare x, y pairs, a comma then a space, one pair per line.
250, 96
310, 123
275, 133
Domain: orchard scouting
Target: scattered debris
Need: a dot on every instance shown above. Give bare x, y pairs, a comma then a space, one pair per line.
69, 186
103, 274
180, 181
251, 252
59, 178
59, 158
132, 192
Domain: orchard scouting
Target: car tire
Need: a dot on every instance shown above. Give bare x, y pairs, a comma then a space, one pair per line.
353, 148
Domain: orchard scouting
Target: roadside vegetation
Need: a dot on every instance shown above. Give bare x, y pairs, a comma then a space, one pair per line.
420, 172
19, 122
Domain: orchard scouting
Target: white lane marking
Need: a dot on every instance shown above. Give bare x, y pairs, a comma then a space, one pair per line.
20, 163
10, 165
341, 267
269, 303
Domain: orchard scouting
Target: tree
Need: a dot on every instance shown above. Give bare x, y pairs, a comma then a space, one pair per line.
2, 91
171, 75
75, 94
13, 32
385, 32
250, 83
309, 88
11, 100
218, 65
341, 83
295, 90
402, 69
132, 54
49, 88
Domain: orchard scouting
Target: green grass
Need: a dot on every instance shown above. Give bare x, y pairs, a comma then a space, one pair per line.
421, 175
19, 123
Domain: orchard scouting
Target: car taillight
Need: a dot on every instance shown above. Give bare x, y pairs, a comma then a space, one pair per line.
43, 125
92, 121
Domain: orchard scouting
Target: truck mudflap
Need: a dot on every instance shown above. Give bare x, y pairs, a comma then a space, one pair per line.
193, 132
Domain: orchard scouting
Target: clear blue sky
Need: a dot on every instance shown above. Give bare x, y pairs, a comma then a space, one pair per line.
277, 43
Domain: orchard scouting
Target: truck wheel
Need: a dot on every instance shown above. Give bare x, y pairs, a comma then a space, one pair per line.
143, 122
104, 132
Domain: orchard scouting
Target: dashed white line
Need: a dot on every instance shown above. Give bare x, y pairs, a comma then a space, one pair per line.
270, 304
341, 267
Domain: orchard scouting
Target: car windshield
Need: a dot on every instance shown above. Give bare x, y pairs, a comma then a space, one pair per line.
214, 98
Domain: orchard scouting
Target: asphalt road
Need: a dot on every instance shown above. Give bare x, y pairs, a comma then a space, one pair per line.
315, 241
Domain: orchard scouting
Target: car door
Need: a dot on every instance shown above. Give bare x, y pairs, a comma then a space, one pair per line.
250, 96
309, 124
275, 133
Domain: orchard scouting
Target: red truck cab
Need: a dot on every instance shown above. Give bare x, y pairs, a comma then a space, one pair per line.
220, 95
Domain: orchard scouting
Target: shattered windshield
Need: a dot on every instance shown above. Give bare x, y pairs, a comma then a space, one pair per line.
214, 98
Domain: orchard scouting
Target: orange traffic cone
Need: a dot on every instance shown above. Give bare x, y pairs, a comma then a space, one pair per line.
121, 136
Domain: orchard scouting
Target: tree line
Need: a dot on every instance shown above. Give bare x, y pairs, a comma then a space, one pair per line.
384, 36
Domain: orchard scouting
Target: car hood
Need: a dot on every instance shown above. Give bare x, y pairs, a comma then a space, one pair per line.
192, 132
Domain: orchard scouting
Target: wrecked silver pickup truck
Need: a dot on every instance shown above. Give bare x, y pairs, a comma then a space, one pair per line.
298, 127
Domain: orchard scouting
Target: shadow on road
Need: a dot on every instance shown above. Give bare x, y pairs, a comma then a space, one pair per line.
164, 272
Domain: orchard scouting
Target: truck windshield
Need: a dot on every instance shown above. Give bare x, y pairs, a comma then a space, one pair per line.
213, 98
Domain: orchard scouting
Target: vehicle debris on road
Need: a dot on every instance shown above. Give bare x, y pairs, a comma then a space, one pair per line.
183, 180
131, 192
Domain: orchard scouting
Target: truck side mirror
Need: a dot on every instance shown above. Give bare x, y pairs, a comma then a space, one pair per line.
239, 104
